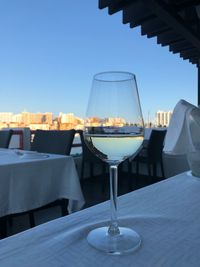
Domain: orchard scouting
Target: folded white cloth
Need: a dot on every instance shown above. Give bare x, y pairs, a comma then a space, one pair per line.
183, 134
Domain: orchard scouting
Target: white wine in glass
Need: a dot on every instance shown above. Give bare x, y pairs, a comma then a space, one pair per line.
114, 131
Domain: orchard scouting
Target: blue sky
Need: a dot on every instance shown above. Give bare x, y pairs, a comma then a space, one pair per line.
50, 50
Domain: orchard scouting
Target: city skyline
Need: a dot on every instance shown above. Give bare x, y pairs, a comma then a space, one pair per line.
63, 121
50, 51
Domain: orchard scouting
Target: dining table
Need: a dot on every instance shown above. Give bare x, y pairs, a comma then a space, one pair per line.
165, 214
29, 180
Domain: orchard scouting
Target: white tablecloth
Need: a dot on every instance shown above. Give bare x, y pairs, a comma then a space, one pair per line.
28, 182
166, 215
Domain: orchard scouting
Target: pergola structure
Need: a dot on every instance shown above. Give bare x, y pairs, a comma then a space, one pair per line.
175, 23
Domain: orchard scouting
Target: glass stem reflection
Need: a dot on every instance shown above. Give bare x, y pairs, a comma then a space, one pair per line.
113, 228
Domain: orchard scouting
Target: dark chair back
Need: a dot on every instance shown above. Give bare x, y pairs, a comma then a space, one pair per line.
87, 154
5, 137
88, 157
155, 145
53, 141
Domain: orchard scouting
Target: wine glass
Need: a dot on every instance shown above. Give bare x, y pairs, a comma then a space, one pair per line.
114, 131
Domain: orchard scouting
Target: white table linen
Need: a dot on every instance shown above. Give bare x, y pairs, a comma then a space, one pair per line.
166, 215
184, 129
30, 182
174, 164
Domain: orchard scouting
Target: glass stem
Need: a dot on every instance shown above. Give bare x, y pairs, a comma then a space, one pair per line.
113, 228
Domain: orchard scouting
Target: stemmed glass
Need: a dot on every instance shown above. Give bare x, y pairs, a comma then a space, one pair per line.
114, 131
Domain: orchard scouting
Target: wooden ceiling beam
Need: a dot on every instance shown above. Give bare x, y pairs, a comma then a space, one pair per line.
180, 4
154, 33
183, 45
139, 21
168, 38
165, 13
114, 6
175, 51
103, 4
136, 11
190, 53
175, 22
172, 41
153, 27
194, 61
198, 96
191, 60
118, 5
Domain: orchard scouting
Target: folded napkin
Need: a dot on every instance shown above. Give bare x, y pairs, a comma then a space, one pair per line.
183, 134
194, 162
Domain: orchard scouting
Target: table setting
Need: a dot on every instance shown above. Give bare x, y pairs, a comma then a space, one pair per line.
158, 225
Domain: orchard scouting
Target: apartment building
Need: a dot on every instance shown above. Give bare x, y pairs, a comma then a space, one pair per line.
163, 118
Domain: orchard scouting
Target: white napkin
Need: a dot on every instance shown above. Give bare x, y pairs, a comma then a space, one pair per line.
183, 134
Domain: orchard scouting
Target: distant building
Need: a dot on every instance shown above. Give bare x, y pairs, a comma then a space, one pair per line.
67, 118
6, 117
17, 118
163, 118
26, 119
115, 122
41, 126
69, 121
48, 117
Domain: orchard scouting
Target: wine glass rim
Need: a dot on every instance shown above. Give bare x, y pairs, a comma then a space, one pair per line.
129, 76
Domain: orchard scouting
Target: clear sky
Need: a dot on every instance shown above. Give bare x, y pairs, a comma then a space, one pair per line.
50, 50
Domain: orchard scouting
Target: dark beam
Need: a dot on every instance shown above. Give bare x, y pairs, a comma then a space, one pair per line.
192, 61
139, 21
118, 5
190, 53
154, 33
174, 41
168, 38
180, 46
114, 6
184, 4
166, 14
195, 60
198, 83
182, 50
103, 4
136, 12
154, 27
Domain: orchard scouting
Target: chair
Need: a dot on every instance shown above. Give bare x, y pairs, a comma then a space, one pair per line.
152, 153
53, 142
90, 159
5, 137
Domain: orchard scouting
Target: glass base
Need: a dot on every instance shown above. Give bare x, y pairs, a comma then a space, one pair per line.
125, 242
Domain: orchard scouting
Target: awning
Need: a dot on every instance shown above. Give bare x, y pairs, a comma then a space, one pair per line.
175, 23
